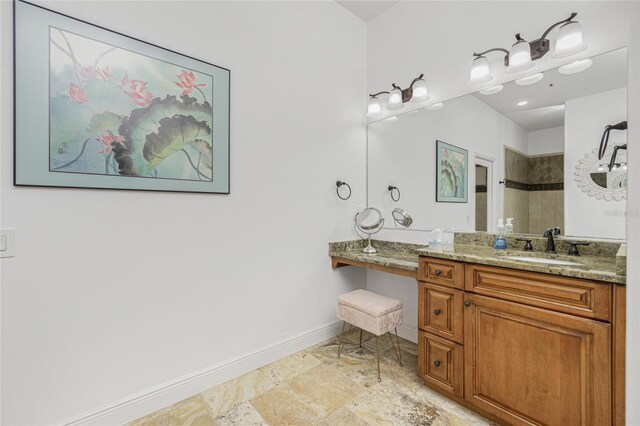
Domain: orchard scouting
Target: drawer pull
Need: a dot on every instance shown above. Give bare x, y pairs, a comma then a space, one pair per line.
467, 303
436, 363
437, 312
437, 272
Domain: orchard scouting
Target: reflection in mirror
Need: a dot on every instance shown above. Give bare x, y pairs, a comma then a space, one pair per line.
595, 179
481, 198
401, 217
537, 130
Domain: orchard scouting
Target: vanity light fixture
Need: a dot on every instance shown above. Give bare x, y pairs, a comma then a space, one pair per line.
416, 92
576, 67
492, 90
522, 103
529, 80
522, 54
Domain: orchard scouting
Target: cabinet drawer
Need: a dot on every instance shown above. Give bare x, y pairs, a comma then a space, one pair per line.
574, 296
440, 362
442, 272
440, 311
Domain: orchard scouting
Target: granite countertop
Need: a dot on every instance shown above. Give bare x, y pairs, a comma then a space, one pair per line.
404, 256
394, 255
597, 268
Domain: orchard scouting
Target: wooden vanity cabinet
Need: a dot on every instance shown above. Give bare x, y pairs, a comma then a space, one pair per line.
533, 366
524, 348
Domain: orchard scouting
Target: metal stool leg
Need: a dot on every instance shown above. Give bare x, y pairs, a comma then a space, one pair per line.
378, 357
341, 339
399, 353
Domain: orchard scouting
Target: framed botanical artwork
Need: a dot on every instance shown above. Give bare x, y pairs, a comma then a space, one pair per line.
451, 173
98, 109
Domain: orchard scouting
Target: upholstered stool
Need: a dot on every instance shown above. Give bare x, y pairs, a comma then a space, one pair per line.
371, 312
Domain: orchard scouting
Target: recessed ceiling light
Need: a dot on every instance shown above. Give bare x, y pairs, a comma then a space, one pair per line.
529, 80
435, 107
492, 90
523, 103
575, 67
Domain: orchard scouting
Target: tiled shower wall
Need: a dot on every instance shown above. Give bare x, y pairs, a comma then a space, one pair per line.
534, 193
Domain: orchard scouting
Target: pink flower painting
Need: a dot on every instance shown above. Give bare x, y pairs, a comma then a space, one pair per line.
188, 82
77, 94
137, 91
108, 140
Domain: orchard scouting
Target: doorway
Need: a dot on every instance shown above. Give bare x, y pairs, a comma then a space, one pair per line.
483, 193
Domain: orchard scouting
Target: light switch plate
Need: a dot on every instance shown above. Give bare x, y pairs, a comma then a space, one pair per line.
7, 243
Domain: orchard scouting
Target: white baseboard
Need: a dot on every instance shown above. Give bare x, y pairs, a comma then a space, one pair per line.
150, 400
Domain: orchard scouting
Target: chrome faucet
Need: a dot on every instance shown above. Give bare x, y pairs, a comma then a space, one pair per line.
551, 244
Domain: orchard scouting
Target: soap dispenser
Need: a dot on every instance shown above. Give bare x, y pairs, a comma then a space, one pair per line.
508, 228
500, 243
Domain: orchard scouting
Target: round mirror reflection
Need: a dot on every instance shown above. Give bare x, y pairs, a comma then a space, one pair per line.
401, 217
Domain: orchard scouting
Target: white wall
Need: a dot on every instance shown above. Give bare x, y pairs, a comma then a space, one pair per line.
116, 292
633, 222
546, 141
585, 120
402, 152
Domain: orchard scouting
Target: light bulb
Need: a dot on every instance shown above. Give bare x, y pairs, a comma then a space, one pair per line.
374, 108
624, 167
601, 169
480, 71
520, 57
522, 103
569, 40
395, 99
419, 91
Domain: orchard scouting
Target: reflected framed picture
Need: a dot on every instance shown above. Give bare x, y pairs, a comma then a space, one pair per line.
98, 109
451, 173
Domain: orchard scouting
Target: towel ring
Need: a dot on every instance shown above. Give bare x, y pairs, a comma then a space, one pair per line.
391, 189
338, 185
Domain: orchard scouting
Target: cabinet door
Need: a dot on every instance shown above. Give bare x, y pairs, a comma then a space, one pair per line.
527, 365
440, 362
440, 311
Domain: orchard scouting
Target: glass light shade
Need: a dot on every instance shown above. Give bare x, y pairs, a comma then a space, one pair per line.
529, 80
575, 67
569, 40
374, 108
520, 57
492, 90
420, 93
480, 71
395, 100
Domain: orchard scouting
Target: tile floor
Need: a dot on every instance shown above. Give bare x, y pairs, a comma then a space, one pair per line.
314, 387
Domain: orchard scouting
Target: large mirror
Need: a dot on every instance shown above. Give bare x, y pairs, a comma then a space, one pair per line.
531, 154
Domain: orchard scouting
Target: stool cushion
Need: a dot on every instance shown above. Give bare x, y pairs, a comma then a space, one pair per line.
370, 311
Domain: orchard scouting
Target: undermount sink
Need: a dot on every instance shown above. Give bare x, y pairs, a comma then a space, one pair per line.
545, 261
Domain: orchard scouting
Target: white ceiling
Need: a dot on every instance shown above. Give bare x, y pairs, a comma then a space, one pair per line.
547, 97
366, 10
